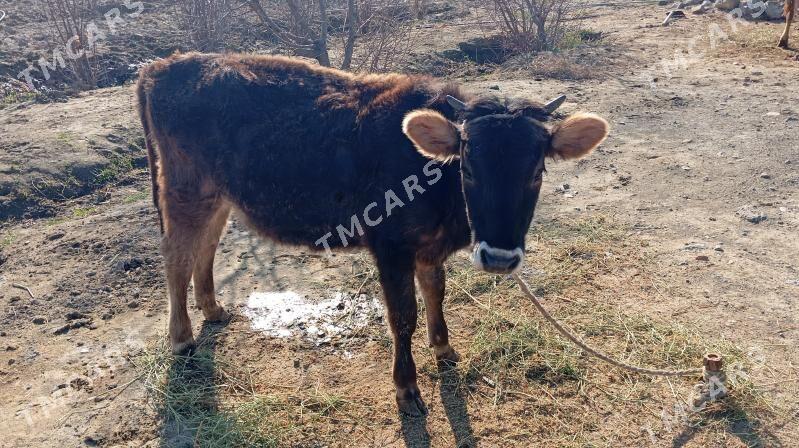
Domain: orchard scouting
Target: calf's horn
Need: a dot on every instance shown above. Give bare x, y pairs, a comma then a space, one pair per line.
553, 105
456, 103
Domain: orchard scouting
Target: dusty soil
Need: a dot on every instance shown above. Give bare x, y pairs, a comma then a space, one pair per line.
696, 154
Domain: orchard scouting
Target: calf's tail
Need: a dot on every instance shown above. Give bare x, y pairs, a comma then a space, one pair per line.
152, 152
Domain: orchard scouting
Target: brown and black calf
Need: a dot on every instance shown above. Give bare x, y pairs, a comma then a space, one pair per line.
411, 168
790, 9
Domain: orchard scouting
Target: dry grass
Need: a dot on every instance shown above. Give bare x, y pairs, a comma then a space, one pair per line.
756, 41
524, 384
214, 402
521, 359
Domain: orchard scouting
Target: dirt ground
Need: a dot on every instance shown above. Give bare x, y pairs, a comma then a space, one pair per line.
699, 154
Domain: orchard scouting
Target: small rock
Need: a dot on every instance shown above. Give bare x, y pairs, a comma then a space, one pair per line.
494, 87
703, 8
702, 258
39, 320
751, 215
72, 315
718, 249
127, 265
55, 236
133, 304
765, 176
80, 323
78, 383
693, 246
61, 330
727, 5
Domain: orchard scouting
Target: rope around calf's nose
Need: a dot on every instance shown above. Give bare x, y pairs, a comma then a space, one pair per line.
654, 372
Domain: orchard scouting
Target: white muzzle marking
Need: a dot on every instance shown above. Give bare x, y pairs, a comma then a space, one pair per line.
493, 252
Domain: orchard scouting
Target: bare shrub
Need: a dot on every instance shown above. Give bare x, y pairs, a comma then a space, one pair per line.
69, 26
533, 25
206, 22
386, 36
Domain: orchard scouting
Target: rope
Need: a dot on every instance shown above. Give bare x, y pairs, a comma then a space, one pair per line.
654, 372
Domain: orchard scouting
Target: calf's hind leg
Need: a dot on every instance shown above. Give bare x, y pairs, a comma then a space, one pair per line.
204, 294
188, 213
790, 9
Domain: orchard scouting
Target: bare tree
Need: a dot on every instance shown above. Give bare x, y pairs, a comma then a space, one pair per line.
371, 34
533, 25
294, 29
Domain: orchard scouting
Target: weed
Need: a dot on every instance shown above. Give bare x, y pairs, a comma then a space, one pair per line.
65, 138
15, 97
83, 212
118, 166
575, 38
136, 197
7, 239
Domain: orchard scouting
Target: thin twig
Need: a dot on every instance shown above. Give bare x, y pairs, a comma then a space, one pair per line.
23, 287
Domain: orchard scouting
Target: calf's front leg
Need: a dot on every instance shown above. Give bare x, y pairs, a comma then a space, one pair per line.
396, 278
432, 281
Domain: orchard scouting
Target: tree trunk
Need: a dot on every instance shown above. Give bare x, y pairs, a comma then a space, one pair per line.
321, 44
352, 34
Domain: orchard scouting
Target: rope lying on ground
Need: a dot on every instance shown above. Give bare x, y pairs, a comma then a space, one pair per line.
655, 372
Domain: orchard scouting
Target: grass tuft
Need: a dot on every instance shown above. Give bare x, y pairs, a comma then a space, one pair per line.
213, 402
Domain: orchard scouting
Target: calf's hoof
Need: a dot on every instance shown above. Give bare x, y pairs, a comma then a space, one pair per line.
183, 348
447, 355
783, 44
217, 314
409, 402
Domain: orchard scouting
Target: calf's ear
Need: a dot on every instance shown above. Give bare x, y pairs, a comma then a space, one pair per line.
577, 136
433, 135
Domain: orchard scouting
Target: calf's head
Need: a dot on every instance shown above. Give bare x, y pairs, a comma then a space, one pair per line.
501, 150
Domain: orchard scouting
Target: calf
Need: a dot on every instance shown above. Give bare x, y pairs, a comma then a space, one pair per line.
790, 8
314, 156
